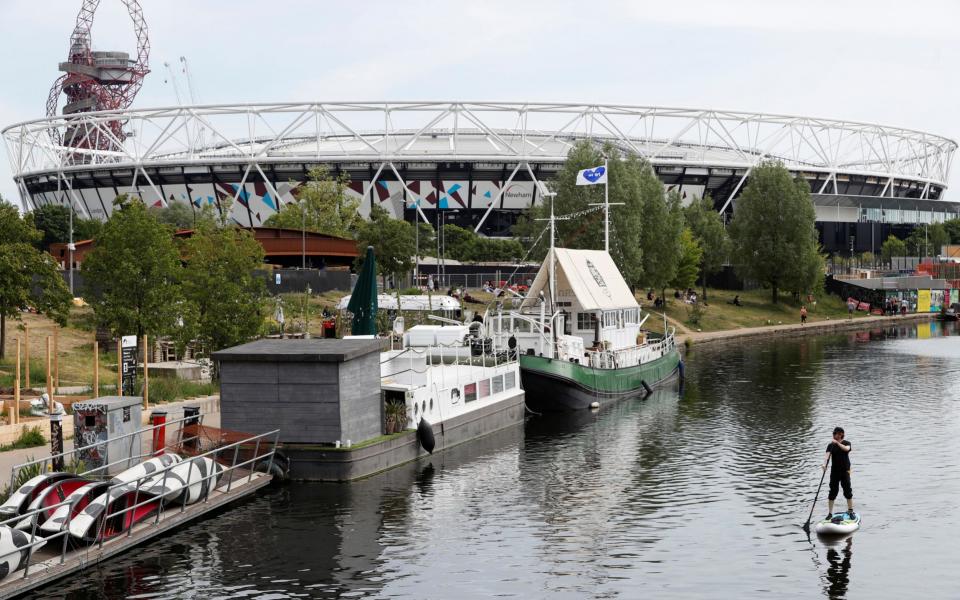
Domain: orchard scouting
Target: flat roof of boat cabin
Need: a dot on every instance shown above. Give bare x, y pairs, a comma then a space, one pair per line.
313, 350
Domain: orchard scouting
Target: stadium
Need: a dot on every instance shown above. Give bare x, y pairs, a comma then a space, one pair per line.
477, 163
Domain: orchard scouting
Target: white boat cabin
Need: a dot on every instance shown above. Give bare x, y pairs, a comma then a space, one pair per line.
438, 375
594, 312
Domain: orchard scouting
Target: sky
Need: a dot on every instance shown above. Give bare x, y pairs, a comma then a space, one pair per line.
884, 61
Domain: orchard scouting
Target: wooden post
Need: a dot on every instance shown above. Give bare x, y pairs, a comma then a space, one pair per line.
146, 376
119, 368
15, 416
26, 353
56, 358
49, 378
96, 369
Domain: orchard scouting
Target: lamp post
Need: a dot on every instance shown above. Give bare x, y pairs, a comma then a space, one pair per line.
303, 234
70, 248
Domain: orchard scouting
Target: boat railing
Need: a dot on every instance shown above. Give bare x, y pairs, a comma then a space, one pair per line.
135, 437
260, 441
622, 357
454, 355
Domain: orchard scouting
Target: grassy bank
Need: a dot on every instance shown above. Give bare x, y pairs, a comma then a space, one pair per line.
719, 314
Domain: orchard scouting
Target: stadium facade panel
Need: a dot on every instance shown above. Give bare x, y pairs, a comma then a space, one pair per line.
478, 163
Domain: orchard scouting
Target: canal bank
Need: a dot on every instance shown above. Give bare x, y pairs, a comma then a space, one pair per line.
689, 339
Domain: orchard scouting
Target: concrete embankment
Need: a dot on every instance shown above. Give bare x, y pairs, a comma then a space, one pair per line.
796, 329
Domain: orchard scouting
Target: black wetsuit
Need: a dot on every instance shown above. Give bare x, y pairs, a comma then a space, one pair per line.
840, 471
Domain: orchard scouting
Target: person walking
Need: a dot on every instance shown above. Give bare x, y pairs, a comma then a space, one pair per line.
803, 314
838, 456
851, 306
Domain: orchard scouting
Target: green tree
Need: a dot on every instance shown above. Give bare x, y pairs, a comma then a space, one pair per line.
939, 237
219, 286
952, 228
587, 231
133, 273
392, 241
28, 276
691, 254
322, 206
662, 220
773, 237
178, 215
892, 246
927, 240
707, 227
53, 222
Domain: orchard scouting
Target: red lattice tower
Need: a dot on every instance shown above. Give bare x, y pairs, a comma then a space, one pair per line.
97, 80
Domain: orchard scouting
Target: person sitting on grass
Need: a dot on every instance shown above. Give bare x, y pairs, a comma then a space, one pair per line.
736, 301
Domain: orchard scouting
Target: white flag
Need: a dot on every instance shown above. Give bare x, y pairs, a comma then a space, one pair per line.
592, 176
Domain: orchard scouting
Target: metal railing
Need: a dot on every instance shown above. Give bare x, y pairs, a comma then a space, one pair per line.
135, 436
212, 478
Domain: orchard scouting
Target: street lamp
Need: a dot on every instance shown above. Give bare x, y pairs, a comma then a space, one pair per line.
303, 234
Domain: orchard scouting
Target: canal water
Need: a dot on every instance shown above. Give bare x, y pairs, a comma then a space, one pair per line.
699, 494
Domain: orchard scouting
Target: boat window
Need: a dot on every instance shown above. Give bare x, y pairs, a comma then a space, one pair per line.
509, 380
609, 318
586, 321
630, 316
470, 392
484, 388
498, 384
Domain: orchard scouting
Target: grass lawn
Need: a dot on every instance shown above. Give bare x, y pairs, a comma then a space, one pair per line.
74, 347
757, 311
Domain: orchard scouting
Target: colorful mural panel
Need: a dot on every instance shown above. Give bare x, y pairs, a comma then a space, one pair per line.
923, 301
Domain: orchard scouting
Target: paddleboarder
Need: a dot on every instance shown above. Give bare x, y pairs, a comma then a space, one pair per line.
838, 455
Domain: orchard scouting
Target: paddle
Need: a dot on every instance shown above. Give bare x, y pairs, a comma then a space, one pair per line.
806, 526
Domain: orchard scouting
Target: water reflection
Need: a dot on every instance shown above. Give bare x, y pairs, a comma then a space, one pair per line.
837, 575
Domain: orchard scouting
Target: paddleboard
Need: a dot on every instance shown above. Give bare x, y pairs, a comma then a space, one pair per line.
838, 524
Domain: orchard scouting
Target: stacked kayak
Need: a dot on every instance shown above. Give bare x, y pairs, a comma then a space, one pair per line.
130, 497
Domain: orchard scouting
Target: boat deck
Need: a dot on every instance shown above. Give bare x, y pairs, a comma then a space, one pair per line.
50, 563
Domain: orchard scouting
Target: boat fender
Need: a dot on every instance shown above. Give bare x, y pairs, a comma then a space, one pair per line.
680, 368
425, 436
594, 405
646, 387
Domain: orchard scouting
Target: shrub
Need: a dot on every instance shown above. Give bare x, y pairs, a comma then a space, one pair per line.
29, 438
695, 313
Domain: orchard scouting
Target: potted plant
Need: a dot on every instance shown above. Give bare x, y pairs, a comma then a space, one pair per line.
395, 417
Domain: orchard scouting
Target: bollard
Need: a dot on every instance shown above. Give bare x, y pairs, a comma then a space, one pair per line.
56, 441
191, 415
158, 418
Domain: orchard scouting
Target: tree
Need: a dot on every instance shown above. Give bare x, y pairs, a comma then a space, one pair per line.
662, 220
28, 276
178, 215
586, 231
219, 285
322, 206
133, 273
772, 233
53, 221
691, 254
927, 240
892, 246
707, 227
392, 240
952, 227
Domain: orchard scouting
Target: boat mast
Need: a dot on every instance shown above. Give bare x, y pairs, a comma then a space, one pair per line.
553, 279
606, 205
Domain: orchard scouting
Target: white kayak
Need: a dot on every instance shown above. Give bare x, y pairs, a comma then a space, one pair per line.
839, 524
